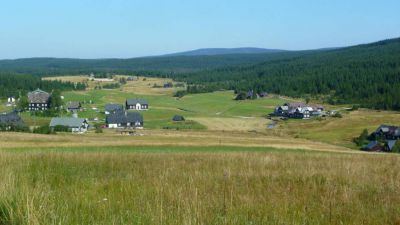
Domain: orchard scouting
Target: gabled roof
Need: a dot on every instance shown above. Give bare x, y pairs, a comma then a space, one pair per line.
135, 101
371, 145
122, 117
113, 107
10, 118
178, 118
295, 104
132, 117
38, 96
116, 118
391, 144
67, 121
392, 130
73, 105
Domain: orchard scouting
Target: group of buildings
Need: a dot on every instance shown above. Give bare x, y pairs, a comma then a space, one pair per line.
384, 139
119, 116
298, 110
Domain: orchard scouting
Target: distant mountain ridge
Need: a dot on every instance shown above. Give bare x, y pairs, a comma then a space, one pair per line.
225, 51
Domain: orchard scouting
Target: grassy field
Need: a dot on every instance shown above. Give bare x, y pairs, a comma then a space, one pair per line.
221, 166
200, 185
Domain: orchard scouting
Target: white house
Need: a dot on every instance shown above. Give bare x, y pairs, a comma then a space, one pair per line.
137, 104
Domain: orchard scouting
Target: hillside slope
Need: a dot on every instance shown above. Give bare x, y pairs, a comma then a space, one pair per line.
365, 74
166, 64
225, 51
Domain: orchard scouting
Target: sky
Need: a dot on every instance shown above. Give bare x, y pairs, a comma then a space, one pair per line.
134, 28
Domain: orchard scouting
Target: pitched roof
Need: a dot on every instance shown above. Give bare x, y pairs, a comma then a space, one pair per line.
73, 105
133, 117
113, 107
122, 117
371, 145
392, 130
38, 96
10, 118
135, 101
391, 144
296, 104
178, 118
116, 118
66, 121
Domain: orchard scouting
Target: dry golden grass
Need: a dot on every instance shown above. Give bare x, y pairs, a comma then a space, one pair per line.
233, 123
164, 138
43, 187
145, 87
81, 79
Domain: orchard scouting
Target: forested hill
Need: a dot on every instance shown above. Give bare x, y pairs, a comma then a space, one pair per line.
164, 65
225, 51
365, 74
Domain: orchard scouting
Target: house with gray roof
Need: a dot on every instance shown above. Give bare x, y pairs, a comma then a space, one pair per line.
113, 108
73, 106
137, 104
124, 119
76, 125
7, 120
38, 100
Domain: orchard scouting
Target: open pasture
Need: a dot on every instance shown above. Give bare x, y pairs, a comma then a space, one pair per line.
196, 185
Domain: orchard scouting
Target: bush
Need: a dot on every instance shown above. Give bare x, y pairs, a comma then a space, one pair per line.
43, 130
112, 86
337, 115
98, 129
14, 127
241, 96
362, 139
60, 128
180, 94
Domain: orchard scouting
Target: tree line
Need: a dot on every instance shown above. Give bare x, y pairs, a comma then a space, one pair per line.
19, 84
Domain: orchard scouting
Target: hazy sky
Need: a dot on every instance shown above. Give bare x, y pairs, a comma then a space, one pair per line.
131, 28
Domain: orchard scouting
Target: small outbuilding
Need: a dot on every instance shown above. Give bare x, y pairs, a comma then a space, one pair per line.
11, 119
73, 106
178, 118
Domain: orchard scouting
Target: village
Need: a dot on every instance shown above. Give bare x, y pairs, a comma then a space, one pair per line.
126, 117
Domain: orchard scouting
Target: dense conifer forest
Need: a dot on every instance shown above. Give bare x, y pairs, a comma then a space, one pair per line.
367, 74
19, 84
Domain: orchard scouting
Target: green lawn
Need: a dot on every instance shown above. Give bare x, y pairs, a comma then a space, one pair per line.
163, 107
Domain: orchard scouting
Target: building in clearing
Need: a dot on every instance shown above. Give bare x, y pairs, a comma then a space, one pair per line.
124, 119
113, 108
137, 104
178, 118
38, 100
7, 120
73, 106
11, 100
76, 125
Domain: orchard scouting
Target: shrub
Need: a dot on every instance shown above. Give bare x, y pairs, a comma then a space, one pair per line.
43, 130
98, 129
362, 139
180, 94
